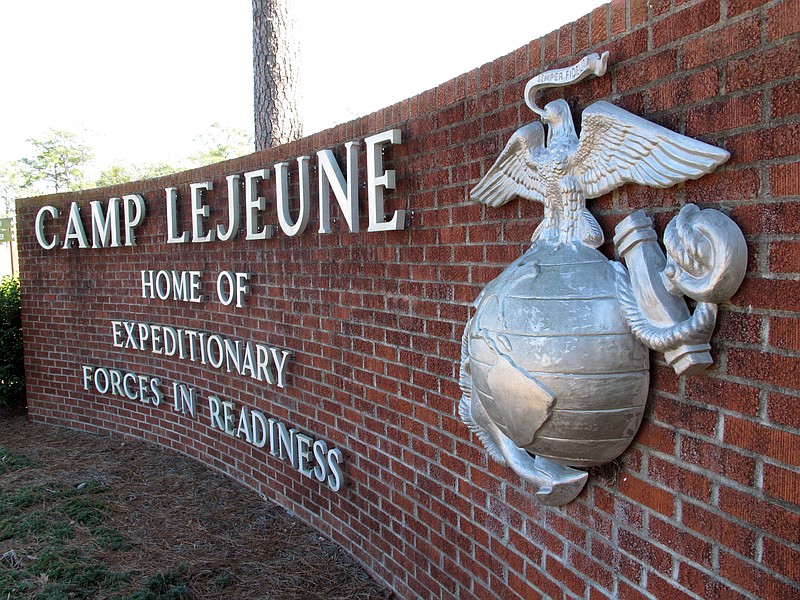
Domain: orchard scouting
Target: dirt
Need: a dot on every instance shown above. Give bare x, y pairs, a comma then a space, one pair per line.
175, 515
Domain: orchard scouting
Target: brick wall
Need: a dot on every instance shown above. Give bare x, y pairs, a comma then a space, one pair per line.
705, 501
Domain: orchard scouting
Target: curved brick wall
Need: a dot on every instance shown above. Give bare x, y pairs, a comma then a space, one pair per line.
703, 504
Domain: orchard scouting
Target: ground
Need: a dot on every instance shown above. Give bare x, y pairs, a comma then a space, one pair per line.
86, 516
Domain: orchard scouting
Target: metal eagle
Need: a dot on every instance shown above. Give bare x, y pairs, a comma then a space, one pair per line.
615, 147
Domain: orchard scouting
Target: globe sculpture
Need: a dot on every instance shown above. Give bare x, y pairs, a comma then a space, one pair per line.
555, 360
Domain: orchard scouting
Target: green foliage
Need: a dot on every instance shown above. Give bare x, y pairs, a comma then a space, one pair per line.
58, 162
116, 173
12, 366
220, 143
159, 169
121, 173
11, 182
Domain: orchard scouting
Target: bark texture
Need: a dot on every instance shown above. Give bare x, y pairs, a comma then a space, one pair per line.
275, 74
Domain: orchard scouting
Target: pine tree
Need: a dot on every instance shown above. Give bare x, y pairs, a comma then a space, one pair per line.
275, 74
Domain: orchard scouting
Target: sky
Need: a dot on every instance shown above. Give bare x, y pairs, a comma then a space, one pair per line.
144, 78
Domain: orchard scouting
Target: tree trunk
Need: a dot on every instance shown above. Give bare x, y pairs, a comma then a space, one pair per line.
275, 74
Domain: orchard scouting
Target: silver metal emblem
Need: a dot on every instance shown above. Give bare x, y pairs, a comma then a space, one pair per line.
555, 365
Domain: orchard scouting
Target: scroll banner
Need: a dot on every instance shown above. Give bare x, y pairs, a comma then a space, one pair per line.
593, 64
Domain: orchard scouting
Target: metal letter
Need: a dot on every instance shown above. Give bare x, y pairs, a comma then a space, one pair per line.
223, 235
288, 226
330, 175
105, 226
134, 211
172, 218
376, 181
200, 210
254, 203
53, 212
75, 229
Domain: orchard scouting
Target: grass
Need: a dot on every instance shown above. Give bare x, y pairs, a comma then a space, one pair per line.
169, 585
11, 461
145, 524
53, 539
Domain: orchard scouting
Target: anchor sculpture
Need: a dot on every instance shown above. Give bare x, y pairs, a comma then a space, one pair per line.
555, 361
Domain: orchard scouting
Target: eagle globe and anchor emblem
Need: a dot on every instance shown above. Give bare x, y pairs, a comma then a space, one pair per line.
555, 360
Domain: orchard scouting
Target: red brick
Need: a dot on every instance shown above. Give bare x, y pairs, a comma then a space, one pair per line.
783, 409
737, 327
724, 186
645, 551
720, 529
682, 542
783, 19
627, 47
664, 379
659, 7
532, 551
599, 25
591, 569
706, 585
689, 20
685, 416
656, 437
566, 576
763, 67
783, 484
618, 17
535, 54
786, 100
551, 48
763, 514
754, 579
377, 321
785, 180
780, 445
644, 72
582, 33
738, 7
782, 559
662, 588
649, 495
638, 10
716, 459
721, 116
768, 294
772, 218
565, 41
725, 394
682, 91
542, 536
679, 479
784, 257
770, 368
627, 592
722, 43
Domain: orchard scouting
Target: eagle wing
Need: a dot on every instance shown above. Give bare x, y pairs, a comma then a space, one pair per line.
515, 172
617, 147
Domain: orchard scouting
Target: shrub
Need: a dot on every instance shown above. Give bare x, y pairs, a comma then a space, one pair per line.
12, 367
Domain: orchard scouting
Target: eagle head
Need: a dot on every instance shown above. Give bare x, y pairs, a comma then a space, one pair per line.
558, 117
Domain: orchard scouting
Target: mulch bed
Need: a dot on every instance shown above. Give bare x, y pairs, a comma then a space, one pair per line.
175, 514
